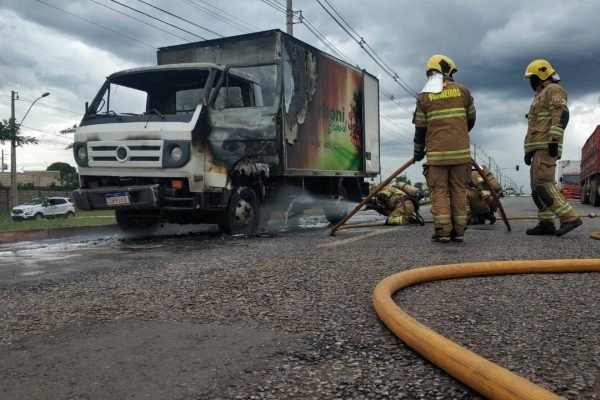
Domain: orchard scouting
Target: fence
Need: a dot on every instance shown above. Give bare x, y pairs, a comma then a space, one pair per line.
28, 194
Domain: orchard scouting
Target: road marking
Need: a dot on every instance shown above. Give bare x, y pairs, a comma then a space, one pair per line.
354, 239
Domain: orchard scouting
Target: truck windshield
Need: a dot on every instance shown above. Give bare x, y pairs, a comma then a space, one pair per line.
572, 179
169, 94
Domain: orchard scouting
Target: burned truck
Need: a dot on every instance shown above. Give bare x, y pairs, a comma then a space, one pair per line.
223, 131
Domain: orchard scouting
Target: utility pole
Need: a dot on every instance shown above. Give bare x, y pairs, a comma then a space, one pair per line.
13, 153
289, 18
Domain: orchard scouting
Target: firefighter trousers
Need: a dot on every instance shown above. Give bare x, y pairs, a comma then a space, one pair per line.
448, 186
549, 201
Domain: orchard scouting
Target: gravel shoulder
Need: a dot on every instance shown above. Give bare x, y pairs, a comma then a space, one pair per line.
290, 316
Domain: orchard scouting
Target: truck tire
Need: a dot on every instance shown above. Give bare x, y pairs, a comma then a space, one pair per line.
125, 223
242, 215
337, 207
594, 196
583, 197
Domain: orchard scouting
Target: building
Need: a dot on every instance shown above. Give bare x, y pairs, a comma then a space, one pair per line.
37, 178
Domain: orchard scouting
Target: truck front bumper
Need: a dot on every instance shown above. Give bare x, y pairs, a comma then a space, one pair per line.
140, 197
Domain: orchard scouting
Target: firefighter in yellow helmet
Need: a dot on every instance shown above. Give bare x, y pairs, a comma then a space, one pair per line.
444, 115
399, 203
547, 119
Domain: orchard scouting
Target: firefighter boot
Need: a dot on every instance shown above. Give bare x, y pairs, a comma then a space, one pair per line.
543, 228
437, 237
566, 227
490, 215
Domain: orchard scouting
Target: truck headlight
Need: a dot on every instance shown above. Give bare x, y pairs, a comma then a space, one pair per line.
81, 153
176, 153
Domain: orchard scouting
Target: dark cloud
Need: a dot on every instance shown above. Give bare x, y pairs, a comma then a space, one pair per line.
492, 42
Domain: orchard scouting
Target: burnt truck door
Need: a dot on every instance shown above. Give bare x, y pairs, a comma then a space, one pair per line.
371, 123
242, 119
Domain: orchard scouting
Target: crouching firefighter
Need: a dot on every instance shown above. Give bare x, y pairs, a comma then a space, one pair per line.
399, 203
547, 119
481, 203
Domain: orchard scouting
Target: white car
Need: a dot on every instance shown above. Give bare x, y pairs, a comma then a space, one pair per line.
52, 207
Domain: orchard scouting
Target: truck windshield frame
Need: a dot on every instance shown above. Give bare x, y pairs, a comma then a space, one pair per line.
169, 95
244, 90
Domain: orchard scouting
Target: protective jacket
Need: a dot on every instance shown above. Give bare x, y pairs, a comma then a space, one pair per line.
442, 122
548, 117
400, 207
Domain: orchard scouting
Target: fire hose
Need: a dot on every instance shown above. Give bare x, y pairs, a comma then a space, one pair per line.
482, 375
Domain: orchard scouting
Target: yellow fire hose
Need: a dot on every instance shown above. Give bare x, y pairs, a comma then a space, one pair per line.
480, 374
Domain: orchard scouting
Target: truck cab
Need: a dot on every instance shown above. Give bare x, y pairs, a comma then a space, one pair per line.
570, 185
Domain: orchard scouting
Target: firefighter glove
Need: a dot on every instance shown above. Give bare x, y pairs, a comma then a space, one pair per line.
528, 157
553, 149
419, 154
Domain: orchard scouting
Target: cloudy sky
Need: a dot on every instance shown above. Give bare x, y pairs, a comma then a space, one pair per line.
68, 47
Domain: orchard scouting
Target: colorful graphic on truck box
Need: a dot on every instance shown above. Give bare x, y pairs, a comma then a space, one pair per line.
330, 136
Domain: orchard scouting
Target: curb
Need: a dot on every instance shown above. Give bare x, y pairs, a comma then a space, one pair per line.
55, 233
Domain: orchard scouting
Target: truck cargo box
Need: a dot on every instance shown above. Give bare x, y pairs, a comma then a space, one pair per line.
590, 169
330, 109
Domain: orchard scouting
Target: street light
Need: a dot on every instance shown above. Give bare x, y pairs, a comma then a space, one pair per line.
13, 146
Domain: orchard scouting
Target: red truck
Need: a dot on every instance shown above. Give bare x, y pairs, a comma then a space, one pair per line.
590, 169
570, 185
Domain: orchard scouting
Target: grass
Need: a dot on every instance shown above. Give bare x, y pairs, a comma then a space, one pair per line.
82, 218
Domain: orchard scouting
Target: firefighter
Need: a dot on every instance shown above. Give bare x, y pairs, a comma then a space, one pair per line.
399, 203
547, 119
444, 115
481, 204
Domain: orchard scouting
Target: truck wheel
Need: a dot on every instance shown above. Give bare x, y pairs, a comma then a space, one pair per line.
337, 207
69, 215
126, 224
583, 197
38, 216
242, 215
594, 196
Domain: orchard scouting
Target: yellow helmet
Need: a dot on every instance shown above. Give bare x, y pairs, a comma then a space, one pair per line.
442, 64
540, 68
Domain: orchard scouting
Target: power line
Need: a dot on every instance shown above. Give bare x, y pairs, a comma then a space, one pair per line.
368, 49
217, 15
49, 133
158, 19
231, 15
139, 20
277, 6
181, 18
92, 22
49, 106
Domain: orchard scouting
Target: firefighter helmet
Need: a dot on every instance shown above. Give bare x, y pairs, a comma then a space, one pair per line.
442, 64
540, 68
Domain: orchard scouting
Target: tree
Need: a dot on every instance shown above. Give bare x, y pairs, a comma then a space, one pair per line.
68, 174
67, 131
9, 132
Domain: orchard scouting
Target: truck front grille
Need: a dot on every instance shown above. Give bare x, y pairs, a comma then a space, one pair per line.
126, 153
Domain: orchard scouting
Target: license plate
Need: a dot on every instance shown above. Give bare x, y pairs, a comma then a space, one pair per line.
117, 199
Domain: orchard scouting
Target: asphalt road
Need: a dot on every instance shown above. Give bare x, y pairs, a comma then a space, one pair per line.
287, 314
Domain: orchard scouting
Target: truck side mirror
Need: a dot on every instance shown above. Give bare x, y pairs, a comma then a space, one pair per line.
560, 179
